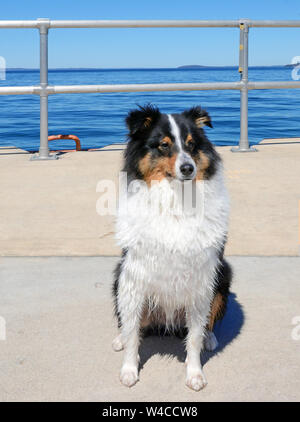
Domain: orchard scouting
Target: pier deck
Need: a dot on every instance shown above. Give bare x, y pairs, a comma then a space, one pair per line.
56, 262
49, 208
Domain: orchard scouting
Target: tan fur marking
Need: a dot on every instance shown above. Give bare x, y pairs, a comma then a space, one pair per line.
203, 163
201, 121
189, 139
148, 122
157, 169
145, 164
167, 140
216, 310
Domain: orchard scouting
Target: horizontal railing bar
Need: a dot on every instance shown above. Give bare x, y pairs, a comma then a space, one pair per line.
149, 23
19, 24
121, 23
77, 89
144, 23
60, 89
74, 89
274, 24
19, 90
274, 85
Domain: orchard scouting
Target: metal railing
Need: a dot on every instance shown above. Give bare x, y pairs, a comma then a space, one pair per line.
44, 90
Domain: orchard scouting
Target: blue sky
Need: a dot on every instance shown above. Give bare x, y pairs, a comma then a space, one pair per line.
106, 48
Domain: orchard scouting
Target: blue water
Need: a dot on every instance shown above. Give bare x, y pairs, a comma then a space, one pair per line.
98, 119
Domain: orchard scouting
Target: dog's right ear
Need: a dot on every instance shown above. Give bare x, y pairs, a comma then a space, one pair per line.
142, 119
199, 116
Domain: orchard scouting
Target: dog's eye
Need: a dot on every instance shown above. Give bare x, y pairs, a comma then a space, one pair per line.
191, 144
164, 145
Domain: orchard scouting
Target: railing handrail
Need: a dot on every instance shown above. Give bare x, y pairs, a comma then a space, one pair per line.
92, 89
150, 23
44, 89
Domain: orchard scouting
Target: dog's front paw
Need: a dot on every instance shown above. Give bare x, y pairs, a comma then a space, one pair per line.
129, 375
210, 341
196, 380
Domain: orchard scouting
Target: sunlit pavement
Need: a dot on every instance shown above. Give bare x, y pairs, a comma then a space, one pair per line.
48, 208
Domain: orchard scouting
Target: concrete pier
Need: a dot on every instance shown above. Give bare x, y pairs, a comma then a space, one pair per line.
56, 261
49, 209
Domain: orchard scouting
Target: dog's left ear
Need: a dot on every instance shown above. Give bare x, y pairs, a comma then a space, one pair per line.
142, 120
199, 116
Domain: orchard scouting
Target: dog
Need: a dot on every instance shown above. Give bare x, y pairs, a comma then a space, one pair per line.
172, 273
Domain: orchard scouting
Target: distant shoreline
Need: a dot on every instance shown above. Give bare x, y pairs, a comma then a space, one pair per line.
182, 68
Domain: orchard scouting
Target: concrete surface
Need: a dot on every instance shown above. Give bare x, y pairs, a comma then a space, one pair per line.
49, 208
59, 329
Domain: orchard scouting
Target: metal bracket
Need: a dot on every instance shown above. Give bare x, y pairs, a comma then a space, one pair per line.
38, 157
244, 23
43, 25
239, 149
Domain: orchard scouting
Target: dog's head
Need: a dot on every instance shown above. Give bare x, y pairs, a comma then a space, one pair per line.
169, 146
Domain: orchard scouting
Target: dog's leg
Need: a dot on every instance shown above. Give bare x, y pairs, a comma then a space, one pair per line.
130, 340
195, 378
130, 302
210, 341
218, 306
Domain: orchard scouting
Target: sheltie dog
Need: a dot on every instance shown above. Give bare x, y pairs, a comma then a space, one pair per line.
172, 273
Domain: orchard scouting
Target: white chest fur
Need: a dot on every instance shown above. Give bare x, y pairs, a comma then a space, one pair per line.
173, 253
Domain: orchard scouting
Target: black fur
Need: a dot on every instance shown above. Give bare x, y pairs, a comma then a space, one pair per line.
222, 284
115, 286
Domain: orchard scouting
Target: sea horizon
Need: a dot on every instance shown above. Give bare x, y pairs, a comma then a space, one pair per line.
181, 67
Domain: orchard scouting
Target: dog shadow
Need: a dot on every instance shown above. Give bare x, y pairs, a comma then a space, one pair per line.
173, 347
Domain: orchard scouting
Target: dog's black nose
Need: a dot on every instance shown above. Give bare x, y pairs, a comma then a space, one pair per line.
187, 169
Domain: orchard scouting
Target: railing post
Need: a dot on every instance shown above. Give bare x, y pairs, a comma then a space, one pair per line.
243, 69
44, 148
